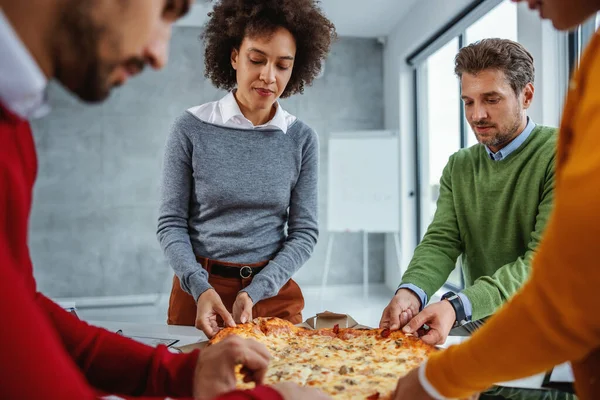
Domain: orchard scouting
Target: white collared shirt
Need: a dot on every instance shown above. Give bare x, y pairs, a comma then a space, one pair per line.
226, 112
22, 82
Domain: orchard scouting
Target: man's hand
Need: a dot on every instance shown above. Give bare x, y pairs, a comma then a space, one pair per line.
409, 388
440, 318
215, 370
209, 306
403, 306
242, 308
292, 391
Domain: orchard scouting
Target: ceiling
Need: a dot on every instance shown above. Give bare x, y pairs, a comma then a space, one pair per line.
358, 18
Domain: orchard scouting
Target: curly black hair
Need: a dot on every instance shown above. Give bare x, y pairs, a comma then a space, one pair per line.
232, 20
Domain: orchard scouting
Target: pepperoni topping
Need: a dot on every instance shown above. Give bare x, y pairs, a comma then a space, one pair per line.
374, 396
336, 328
386, 332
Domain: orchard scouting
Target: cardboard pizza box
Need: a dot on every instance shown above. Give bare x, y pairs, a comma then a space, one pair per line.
188, 348
328, 319
325, 319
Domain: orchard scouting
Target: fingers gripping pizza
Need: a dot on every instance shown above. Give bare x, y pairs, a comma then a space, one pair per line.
343, 362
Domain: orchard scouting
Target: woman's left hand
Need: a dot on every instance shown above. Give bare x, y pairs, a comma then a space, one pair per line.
242, 308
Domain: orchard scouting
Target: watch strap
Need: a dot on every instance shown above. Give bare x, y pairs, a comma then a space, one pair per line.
459, 309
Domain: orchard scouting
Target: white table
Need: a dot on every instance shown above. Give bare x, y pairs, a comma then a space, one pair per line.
184, 334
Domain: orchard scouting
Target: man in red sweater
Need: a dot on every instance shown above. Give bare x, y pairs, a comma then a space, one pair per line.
90, 46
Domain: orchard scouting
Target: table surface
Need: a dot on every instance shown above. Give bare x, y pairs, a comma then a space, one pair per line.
185, 334
515, 390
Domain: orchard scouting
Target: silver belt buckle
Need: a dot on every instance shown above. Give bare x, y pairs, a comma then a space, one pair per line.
245, 272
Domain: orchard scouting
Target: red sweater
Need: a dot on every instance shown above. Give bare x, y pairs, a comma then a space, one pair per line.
46, 352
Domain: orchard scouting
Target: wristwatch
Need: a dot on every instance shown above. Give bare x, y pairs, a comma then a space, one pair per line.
459, 309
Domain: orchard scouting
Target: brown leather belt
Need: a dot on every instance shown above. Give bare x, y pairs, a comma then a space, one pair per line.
231, 270
243, 272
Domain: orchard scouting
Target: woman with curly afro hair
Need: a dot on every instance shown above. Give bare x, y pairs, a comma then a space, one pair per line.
238, 171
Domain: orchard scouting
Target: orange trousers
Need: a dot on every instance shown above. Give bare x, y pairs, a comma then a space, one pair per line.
287, 304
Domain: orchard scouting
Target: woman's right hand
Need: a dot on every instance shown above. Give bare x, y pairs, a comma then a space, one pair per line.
210, 306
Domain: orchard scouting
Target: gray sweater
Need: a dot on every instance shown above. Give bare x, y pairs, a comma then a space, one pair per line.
227, 195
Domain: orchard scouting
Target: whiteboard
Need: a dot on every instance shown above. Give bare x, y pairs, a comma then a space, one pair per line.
363, 188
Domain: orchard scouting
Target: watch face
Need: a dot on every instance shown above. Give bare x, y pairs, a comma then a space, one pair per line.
448, 295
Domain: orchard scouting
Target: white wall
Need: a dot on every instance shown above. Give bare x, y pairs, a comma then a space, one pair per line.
547, 47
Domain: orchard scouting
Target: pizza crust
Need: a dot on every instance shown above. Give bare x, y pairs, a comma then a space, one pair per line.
346, 363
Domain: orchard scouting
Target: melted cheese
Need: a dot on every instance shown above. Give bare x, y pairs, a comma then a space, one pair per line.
355, 364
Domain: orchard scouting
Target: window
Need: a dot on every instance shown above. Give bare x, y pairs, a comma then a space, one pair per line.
442, 129
443, 123
501, 22
579, 38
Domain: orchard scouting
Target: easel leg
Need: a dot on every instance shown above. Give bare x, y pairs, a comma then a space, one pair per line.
398, 256
365, 265
327, 265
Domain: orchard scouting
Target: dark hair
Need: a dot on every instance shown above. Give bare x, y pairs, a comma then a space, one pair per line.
232, 20
500, 54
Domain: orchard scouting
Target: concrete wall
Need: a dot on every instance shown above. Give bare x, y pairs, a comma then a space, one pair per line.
96, 198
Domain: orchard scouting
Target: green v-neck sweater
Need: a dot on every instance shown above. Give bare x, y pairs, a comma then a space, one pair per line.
492, 214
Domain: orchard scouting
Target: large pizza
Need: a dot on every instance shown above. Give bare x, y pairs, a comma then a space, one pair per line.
346, 363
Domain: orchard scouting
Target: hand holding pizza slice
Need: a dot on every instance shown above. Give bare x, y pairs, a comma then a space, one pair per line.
439, 317
209, 307
215, 370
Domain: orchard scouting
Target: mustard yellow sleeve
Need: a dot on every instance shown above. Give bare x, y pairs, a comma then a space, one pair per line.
555, 317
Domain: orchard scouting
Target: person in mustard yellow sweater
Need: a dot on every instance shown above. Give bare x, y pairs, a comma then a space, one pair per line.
555, 317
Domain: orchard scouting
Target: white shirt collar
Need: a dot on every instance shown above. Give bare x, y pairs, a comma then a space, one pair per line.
22, 82
230, 110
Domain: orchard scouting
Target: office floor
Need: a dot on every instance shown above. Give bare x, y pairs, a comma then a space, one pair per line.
346, 299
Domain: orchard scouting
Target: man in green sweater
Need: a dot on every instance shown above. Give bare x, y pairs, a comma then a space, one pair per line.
495, 199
